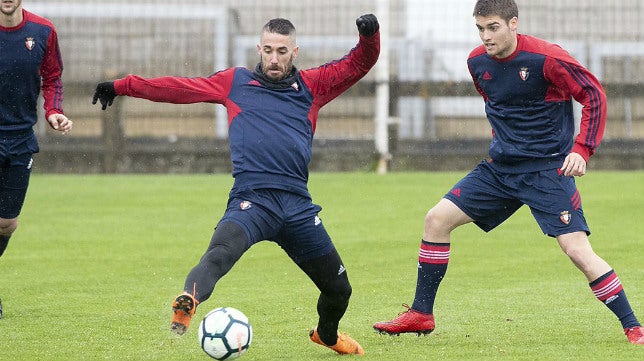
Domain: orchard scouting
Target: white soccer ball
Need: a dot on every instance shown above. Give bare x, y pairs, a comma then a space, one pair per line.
225, 333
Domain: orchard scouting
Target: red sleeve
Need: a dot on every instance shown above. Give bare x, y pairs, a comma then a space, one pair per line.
51, 71
569, 77
479, 50
328, 81
178, 90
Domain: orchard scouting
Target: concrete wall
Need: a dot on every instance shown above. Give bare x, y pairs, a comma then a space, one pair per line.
213, 156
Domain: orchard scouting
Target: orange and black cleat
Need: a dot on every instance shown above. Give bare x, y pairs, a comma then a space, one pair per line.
184, 308
344, 346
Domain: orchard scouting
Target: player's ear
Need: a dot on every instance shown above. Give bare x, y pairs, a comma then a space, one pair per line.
296, 50
514, 23
259, 49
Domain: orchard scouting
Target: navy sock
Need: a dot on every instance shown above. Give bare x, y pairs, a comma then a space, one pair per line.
432, 266
330, 277
608, 289
4, 242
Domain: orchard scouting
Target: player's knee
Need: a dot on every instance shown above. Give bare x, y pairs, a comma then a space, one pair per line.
229, 238
574, 253
346, 290
585, 259
340, 290
435, 222
8, 226
582, 257
576, 246
224, 255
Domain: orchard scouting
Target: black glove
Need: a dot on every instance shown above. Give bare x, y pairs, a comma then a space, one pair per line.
367, 24
105, 93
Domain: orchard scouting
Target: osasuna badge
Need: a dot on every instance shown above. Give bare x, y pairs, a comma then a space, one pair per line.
29, 43
565, 217
524, 73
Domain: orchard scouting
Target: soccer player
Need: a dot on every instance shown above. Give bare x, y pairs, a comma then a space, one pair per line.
30, 60
272, 113
527, 85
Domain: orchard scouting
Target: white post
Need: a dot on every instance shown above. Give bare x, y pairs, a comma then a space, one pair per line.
382, 89
221, 62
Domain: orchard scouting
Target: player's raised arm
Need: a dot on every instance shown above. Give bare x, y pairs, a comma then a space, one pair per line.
335, 77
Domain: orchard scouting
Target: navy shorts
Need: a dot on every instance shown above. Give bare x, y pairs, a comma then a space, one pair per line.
288, 219
15, 170
490, 197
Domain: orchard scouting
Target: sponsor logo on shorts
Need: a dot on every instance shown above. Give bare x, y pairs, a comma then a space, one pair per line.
31, 162
565, 217
317, 221
244, 205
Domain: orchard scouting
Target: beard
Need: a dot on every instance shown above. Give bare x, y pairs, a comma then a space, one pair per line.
285, 71
11, 10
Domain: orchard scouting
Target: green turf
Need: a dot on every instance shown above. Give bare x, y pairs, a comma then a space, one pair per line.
92, 270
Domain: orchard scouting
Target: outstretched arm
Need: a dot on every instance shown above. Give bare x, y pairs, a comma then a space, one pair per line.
168, 89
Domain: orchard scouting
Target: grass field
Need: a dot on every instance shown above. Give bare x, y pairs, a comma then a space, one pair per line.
92, 270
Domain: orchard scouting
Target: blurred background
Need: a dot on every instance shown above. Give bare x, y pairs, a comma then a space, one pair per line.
417, 110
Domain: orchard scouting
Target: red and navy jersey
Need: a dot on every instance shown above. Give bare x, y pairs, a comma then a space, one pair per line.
270, 129
29, 60
528, 102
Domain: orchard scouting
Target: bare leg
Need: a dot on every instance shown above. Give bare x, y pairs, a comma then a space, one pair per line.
577, 247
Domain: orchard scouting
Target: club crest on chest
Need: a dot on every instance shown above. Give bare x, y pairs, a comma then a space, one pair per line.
524, 73
29, 43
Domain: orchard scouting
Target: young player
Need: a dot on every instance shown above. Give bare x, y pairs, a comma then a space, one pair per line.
527, 85
30, 60
272, 112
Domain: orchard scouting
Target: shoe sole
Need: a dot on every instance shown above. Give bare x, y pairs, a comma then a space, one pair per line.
183, 304
178, 328
418, 333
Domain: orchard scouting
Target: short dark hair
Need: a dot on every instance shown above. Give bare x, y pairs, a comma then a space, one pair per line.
279, 26
506, 9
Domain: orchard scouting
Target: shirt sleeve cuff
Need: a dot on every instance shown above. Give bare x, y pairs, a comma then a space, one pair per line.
119, 86
52, 111
582, 150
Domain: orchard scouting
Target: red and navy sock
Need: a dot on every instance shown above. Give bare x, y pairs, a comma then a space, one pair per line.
432, 266
608, 289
